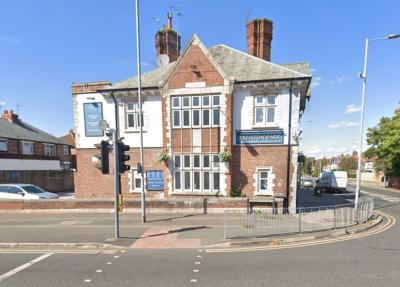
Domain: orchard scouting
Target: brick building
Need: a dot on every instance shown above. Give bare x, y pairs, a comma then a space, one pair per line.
24, 147
227, 120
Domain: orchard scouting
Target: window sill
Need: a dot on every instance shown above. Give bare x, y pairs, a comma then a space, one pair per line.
199, 193
270, 125
131, 131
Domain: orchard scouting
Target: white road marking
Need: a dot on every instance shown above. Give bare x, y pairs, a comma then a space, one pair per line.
193, 280
195, 270
198, 256
24, 266
109, 263
122, 251
116, 256
197, 263
200, 250
87, 280
99, 271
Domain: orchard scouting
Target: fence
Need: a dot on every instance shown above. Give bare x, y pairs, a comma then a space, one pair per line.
274, 221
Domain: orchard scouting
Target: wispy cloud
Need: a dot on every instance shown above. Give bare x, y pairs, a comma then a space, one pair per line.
314, 150
343, 124
10, 40
340, 80
312, 70
352, 109
316, 82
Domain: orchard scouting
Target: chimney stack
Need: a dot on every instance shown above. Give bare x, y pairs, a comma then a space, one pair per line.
10, 116
168, 41
259, 38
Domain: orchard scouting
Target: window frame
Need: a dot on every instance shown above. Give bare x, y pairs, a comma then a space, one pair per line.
32, 147
265, 106
5, 142
135, 112
49, 147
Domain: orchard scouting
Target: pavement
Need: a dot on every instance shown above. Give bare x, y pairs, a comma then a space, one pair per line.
370, 260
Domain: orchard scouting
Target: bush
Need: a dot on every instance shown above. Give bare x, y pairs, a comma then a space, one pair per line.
236, 192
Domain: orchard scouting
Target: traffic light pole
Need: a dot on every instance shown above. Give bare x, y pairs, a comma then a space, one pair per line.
143, 195
117, 183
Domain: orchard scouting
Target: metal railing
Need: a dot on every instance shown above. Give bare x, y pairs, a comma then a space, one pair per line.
275, 221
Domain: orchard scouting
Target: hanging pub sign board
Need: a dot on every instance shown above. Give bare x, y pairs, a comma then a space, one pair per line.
259, 137
155, 180
93, 114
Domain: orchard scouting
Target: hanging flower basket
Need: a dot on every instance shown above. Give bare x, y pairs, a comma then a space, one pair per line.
163, 156
224, 156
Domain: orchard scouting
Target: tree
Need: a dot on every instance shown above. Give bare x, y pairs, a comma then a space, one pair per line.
384, 141
348, 163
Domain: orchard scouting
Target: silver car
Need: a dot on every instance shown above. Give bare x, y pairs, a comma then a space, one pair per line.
24, 191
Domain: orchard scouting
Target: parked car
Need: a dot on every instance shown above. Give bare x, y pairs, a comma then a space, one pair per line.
307, 182
24, 191
332, 181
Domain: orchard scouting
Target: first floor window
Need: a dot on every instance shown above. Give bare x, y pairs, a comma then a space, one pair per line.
49, 150
264, 110
133, 119
3, 145
66, 150
27, 148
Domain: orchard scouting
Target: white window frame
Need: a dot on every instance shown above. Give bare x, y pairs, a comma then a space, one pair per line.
134, 176
269, 178
3, 145
31, 147
65, 150
135, 112
265, 106
49, 150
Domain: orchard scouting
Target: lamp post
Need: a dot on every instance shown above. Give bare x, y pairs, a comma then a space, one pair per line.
363, 76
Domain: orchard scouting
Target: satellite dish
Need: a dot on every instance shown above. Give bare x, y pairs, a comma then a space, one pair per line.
162, 60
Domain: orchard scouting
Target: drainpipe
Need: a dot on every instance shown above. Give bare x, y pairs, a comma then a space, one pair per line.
289, 147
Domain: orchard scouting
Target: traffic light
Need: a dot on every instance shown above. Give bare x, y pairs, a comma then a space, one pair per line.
122, 157
101, 159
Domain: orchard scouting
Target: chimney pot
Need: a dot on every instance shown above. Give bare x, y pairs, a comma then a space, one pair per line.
10, 116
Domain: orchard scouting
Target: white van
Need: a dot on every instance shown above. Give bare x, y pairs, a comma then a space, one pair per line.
332, 181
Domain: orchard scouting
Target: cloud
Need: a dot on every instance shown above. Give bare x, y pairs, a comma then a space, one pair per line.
312, 70
343, 124
314, 150
340, 80
352, 109
9, 40
316, 82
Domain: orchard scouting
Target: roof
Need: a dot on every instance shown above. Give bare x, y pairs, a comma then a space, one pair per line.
68, 139
23, 131
234, 63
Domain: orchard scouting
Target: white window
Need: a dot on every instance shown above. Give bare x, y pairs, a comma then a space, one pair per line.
27, 148
195, 111
132, 116
66, 150
196, 173
262, 182
136, 184
49, 150
264, 110
3, 145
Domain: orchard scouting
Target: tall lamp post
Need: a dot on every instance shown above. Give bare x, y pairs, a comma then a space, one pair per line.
363, 76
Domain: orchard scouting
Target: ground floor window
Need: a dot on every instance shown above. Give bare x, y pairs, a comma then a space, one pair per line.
196, 172
263, 179
136, 181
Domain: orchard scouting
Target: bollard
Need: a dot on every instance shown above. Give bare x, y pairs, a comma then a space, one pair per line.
205, 202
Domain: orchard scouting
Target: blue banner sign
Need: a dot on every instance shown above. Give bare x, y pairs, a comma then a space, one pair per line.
155, 180
93, 113
259, 137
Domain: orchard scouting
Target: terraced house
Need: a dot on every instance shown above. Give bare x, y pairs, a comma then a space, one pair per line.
223, 119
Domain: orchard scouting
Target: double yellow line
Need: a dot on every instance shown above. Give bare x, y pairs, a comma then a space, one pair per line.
390, 222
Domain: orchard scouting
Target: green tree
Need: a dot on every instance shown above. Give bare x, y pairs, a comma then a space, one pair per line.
348, 163
384, 141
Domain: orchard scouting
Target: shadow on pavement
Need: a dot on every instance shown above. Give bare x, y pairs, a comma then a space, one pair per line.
308, 199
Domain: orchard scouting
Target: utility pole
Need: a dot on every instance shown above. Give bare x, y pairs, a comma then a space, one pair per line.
139, 90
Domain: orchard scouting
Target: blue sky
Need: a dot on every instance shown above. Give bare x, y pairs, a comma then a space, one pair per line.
45, 45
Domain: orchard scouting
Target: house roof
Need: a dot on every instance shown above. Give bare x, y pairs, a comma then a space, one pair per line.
68, 139
234, 63
23, 131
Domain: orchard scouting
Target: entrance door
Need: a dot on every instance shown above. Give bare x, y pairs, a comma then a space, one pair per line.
262, 184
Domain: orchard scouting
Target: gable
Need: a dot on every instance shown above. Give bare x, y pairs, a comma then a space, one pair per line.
195, 66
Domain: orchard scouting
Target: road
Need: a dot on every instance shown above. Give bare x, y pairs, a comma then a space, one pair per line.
368, 261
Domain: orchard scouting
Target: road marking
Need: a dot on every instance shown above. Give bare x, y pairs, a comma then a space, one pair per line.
197, 263
390, 222
195, 270
99, 271
87, 280
198, 256
193, 280
200, 250
41, 251
109, 263
116, 256
24, 266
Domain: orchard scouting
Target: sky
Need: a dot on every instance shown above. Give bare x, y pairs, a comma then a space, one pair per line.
46, 45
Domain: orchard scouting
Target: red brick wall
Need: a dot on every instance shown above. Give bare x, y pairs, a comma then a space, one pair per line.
245, 160
195, 67
91, 183
259, 38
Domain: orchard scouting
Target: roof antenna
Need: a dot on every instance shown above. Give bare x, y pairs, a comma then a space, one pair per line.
18, 105
158, 22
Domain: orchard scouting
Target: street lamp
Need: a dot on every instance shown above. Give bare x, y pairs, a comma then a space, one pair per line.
363, 76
